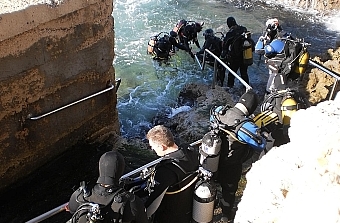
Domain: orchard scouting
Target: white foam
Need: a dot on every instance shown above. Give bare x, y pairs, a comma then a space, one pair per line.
175, 111
332, 22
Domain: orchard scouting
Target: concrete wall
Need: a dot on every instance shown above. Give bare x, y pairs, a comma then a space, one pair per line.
51, 56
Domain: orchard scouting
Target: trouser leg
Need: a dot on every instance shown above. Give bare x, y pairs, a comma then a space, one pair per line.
244, 73
220, 75
229, 176
231, 78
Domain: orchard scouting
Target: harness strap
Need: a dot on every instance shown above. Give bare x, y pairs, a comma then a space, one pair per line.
186, 186
232, 134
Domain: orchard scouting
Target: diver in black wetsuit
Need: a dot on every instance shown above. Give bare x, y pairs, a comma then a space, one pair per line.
167, 203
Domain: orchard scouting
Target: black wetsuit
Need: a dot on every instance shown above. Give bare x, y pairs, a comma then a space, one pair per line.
188, 34
134, 210
173, 208
233, 154
181, 46
214, 45
233, 53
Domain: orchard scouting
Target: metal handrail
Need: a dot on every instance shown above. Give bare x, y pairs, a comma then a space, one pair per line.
48, 214
313, 63
111, 86
248, 87
327, 71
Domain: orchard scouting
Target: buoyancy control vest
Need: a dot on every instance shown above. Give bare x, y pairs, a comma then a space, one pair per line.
183, 169
287, 59
239, 134
238, 44
284, 103
160, 46
184, 164
214, 45
103, 209
238, 127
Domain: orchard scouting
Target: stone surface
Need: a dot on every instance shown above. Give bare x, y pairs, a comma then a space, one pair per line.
317, 84
52, 56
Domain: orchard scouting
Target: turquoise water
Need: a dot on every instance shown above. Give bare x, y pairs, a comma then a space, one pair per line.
148, 87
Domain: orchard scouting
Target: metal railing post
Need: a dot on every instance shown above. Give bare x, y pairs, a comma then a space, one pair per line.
203, 61
215, 75
198, 61
248, 87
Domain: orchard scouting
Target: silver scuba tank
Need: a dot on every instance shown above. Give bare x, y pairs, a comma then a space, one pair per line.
210, 151
203, 204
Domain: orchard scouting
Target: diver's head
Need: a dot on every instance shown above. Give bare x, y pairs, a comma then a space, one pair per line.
208, 33
111, 168
231, 21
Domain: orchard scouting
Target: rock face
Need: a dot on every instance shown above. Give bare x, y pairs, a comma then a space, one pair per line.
317, 84
51, 57
320, 6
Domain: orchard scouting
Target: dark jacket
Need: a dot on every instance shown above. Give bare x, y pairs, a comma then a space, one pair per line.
173, 208
166, 45
162, 48
233, 43
181, 46
134, 210
213, 44
188, 34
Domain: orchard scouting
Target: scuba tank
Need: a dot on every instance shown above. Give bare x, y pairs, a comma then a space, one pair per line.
303, 62
210, 151
151, 44
288, 107
247, 52
179, 25
204, 201
265, 118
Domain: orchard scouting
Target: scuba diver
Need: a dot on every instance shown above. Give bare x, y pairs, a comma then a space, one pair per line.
286, 59
163, 47
187, 32
214, 45
273, 31
234, 51
171, 194
240, 137
106, 201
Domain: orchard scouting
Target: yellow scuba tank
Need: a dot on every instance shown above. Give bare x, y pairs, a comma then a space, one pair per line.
288, 107
265, 118
179, 25
247, 53
151, 44
303, 62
